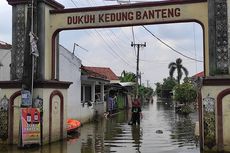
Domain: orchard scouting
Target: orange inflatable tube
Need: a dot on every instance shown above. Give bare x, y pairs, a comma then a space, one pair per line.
72, 124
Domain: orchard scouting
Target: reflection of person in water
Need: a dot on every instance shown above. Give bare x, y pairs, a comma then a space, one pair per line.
136, 135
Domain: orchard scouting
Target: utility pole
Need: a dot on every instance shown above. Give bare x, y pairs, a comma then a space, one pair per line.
147, 83
140, 77
137, 71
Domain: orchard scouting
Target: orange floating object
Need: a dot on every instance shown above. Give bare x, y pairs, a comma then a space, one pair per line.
72, 125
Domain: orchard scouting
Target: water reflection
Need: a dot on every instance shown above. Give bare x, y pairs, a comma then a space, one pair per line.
115, 135
136, 136
57, 147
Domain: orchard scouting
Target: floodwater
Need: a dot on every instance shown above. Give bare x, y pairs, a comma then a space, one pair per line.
115, 135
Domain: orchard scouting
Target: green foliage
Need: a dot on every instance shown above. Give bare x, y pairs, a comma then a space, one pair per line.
145, 92
186, 109
165, 88
169, 83
158, 89
127, 77
185, 93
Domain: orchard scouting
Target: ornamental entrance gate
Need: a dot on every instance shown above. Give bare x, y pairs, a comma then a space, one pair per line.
50, 18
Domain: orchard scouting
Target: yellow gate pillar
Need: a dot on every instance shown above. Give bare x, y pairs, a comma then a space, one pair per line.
215, 101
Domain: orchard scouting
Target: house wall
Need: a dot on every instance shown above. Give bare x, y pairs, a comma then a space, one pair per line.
5, 59
69, 70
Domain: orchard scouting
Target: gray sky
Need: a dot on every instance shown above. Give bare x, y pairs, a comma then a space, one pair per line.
111, 47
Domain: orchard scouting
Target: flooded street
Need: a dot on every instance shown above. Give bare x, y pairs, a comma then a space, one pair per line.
115, 135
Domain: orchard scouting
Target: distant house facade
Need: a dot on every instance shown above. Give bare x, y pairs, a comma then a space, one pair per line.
110, 76
5, 61
93, 91
113, 89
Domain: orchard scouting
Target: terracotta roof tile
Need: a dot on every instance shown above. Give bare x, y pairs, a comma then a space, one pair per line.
4, 45
200, 74
105, 71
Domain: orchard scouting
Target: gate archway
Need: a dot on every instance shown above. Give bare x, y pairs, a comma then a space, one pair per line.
53, 18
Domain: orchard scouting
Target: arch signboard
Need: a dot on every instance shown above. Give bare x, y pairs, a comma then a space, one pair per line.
172, 11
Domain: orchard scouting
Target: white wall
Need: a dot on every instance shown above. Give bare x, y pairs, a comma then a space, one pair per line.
5, 59
69, 70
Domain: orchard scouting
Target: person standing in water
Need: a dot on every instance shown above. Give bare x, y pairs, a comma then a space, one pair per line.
136, 112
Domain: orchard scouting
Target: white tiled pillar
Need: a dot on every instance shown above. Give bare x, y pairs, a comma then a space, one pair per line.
93, 92
102, 92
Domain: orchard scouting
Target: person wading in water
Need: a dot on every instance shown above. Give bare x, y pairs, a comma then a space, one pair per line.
136, 112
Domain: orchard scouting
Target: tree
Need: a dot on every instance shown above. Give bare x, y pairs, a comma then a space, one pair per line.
169, 83
180, 69
127, 77
158, 89
185, 93
145, 92
165, 89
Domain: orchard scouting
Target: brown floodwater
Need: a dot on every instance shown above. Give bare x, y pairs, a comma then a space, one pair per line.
161, 131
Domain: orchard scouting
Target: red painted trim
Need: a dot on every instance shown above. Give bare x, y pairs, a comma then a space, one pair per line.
216, 81
37, 84
10, 84
52, 84
11, 115
53, 54
220, 140
56, 93
125, 6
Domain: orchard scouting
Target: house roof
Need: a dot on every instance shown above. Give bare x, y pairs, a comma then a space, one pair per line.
4, 45
103, 71
200, 74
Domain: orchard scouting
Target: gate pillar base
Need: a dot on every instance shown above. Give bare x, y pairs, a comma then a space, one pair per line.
54, 96
215, 105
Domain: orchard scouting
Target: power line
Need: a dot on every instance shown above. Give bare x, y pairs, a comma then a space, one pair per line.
117, 44
111, 48
170, 46
134, 41
109, 36
74, 3
194, 42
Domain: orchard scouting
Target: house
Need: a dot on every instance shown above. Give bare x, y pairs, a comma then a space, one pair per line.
104, 71
200, 74
92, 93
86, 94
114, 88
5, 61
108, 74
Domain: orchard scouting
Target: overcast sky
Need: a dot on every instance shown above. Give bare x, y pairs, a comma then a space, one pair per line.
111, 47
